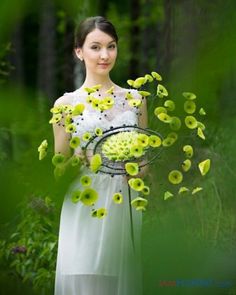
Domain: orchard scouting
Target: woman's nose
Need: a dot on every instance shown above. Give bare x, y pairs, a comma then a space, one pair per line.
104, 54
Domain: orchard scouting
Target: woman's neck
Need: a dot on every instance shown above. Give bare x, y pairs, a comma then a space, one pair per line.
105, 81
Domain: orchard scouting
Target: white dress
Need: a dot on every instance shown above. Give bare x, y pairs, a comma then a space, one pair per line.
96, 256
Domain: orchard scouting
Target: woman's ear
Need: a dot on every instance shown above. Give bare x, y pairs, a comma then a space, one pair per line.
78, 53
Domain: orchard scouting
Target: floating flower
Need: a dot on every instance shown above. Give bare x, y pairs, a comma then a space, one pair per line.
42, 149
89, 90
74, 142
75, 197
56, 109
128, 95
59, 171
168, 141
196, 190
78, 109
56, 118
68, 120
148, 78
139, 82
156, 76
68, 109
109, 101
168, 195
189, 106
142, 139
97, 87
136, 151
117, 198
175, 177
96, 104
90, 99
146, 190
164, 117
135, 102
173, 135
85, 180
98, 131
139, 203
170, 105
188, 150
144, 93
110, 90
175, 123
94, 213
58, 159
86, 136
75, 160
136, 184
130, 82
159, 110
70, 128
161, 91
102, 212
88, 196
189, 95
154, 141
132, 168
95, 162
200, 133
201, 125
202, 112
186, 165
183, 189
204, 166
190, 122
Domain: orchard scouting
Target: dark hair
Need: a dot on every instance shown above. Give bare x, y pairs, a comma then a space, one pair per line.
91, 23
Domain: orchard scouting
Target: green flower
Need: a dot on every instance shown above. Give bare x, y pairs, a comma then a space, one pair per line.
96, 104
143, 140
109, 101
97, 87
182, 190
75, 160
161, 91
156, 76
186, 165
202, 112
85, 180
68, 120
56, 109
168, 195
132, 168
68, 109
117, 198
95, 162
135, 102
146, 190
168, 141
75, 197
204, 166
200, 133
136, 184
164, 117
70, 128
56, 118
94, 213
188, 151
201, 125
110, 90
98, 131
58, 159
154, 141
136, 151
196, 190
173, 135
159, 110
78, 109
42, 149
144, 93
88, 196
74, 142
102, 212
139, 203
191, 122
128, 95
139, 82
175, 177
86, 136
175, 123
189, 106
148, 78
170, 105
89, 90
90, 99
59, 171
189, 95
130, 82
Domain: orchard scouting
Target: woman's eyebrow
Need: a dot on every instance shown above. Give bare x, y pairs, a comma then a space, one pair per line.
95, 42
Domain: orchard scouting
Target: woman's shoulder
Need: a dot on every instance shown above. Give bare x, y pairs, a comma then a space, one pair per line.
66, 98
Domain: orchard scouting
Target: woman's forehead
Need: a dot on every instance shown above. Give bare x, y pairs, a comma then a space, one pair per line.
98, 36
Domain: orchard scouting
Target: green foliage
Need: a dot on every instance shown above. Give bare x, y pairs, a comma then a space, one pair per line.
29, 252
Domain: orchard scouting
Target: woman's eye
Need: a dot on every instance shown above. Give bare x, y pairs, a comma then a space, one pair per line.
112, 46
95, 47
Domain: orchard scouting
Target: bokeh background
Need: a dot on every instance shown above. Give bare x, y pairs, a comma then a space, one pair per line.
192, 44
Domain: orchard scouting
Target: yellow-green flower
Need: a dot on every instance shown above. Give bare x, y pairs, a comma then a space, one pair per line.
204, 166
170, 105
68, 109
196, 190
201, 125
85, 180
135, 102
175, 177
175, 123
189, 95
75, 197
146, 190
144, 93
74, 142
173, 135
97, 86
75, 160
88, 196
202, 112
109, 101
89, 99
89, 90
102, 212
110, 90
136, 184
161, 91
59, 171
98, 131
143, 139
139, 203
164, 117
56, 118
86, 136
58, 159
148, 78
56, 109
95, 162
168, 141
190, 122
136, 151
68, 120
186, 165
139, 82
78, 109
42, 149
189, 106
130, 82
96, 104
188, 151
183, 189
132, 168
154, 141
128, 95
156, 76
200, 133
159, 110
168, 195
94, 213
117, 198
70, 128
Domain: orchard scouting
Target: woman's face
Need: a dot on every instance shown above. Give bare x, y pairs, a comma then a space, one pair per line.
99, 52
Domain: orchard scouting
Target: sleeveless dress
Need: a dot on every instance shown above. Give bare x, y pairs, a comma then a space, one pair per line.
96, 256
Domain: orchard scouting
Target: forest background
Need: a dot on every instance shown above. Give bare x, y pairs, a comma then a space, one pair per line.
188, 242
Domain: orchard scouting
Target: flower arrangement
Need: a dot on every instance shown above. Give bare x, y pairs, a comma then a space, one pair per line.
126, 149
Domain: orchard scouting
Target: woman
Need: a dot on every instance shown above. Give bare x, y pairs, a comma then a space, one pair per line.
96, 256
